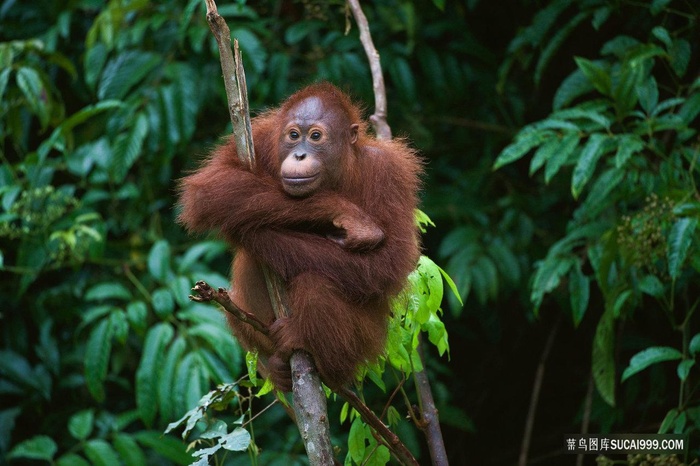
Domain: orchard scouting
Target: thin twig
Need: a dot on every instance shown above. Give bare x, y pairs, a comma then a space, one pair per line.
535, 397
587, 407
378, 119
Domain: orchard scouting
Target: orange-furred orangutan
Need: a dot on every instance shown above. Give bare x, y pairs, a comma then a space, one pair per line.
328, 208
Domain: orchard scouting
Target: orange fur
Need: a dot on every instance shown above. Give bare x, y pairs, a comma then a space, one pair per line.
339, 296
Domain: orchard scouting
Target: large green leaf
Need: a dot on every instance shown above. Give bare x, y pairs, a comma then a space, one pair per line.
679, 240
81, 423
603, 358
101, 453
30, 83
168, 447
130, 451
552, 148
525, 142
40, 447
648, 357
168, 374
356, 440
579, 290
128, 147
97, 353
596, 73
159, 260
125, 71
149, 370
590, 154
627, 146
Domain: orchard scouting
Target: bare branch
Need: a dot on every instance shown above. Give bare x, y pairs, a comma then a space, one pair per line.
430, 421
207, 293
378, 119
234, 83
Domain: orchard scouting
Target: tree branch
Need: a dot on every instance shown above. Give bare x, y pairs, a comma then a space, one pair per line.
309, 398
392, 440
207, 293
302, 371
378, 119
430, 423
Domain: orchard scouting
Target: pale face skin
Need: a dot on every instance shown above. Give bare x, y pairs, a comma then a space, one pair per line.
309, 153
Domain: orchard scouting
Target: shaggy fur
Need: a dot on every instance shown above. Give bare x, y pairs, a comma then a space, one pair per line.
339, 295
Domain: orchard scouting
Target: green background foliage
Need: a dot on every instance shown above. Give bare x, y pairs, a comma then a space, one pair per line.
561, 140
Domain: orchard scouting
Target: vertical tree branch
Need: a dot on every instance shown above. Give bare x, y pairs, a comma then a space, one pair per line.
430, 420
308, 395
378, 119
535, 397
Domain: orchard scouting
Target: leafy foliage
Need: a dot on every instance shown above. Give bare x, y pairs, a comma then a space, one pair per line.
624, 125
104, 104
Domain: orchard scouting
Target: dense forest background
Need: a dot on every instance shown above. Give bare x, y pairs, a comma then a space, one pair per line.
562, 149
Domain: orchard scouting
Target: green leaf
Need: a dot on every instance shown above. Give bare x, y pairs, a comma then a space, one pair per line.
591, 152
648, 95
149, 370
574, 86
684, 368
219, 339
204, 252
648, 357
127, 148
97, 352
80, 424
596, 74
651, 285
136, 315
627, 145
163, 303
694, 346
101, 453
71, 459
129, 450
626, 85
168, 447
105, 291
95, 58
451, 284
603, 358
237, 440
159, 260
553, 44
39, 447
356, 440
31, 85
568, 145
125, 71
548, 276
523, 144
169, 366
668, 421
680, 56
679, 240
547, 150
429, 288
4, 79
579, 290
